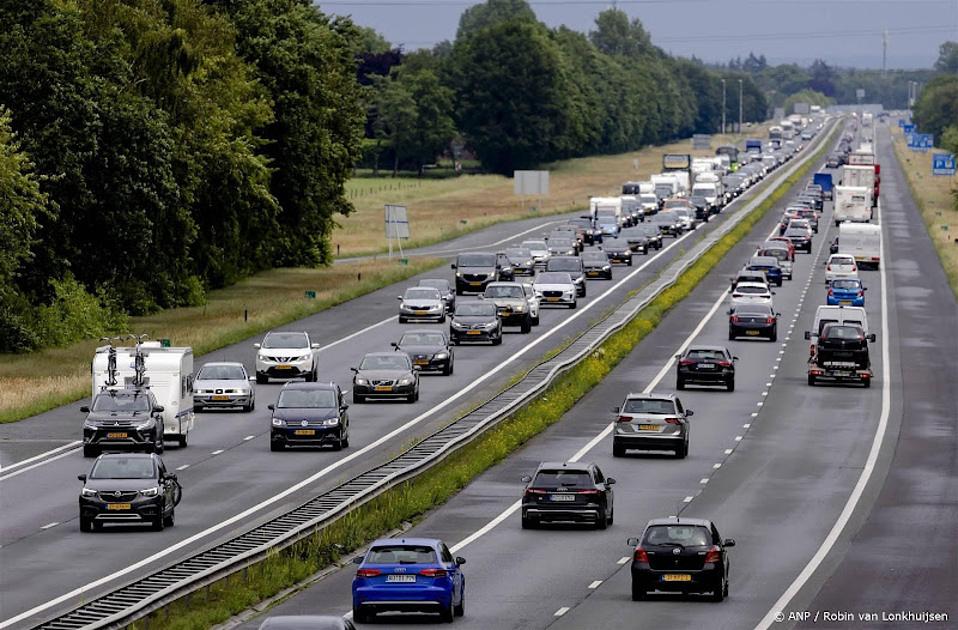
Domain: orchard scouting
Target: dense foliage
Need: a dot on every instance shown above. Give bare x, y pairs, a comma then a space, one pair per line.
936, 111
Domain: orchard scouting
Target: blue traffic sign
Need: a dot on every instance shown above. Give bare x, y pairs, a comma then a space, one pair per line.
908, 128
943, 164
921, 141
901, 122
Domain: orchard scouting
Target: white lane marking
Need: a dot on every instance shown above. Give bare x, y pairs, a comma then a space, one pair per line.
183, 467
217, 451
595, 584
759, 404
623, 559
738, 438
248, 438
852, 503
687, 499
49, 525
754, 414
562, 611
487, 245
24, 462
746, 425
704, 480
716, 465
38, 464
728, 451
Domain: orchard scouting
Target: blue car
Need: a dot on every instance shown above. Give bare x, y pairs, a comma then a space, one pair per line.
846, 292
768, 264
408, 575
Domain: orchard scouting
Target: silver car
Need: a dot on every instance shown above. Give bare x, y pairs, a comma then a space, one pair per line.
653, 422
223, 385
421, 304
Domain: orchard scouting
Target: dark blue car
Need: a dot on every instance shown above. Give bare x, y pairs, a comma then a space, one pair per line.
768, 264
408, 575
846, 292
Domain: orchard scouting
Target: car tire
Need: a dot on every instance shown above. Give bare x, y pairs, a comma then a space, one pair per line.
158, 446
682, 451
629, 262
447, 370
731, 335
86, 525
250, 407
170, 521
447, 615
358, 400
612, 515
574, 305
276, 446
344, 442
602, 521
526, 326
638, 594
312, 376
460, 608
182, 441
360, 615
719, 593
159, 524
455, 341
442, 319
774, 335
498, 340
730, 385
811, 380
528, 523
535, 320
261, 379
90, 451
618, 450
402, 320
867, 383
680, 383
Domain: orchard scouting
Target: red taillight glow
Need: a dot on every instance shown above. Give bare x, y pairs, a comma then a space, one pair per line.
725, 364
590, 491
673, 421
624, 419
734, 319
769, 320
714, 555
641, 555
830, 292
534, 491
687, 362
367, 573
434, 573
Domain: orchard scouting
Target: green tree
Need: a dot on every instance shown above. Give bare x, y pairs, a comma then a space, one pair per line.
491, 13
937, 106
947, 58
615, 35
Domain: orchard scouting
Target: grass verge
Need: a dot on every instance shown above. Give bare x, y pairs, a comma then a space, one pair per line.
935, 197
410, 501
36, 382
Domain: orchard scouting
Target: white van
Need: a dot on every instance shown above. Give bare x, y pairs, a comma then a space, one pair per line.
861, 240
169, 375
838, 315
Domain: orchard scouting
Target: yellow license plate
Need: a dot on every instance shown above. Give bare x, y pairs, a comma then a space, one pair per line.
116, 436
648, 427
221, 397
284, 367
475, 284
552, 299
116, 507
473, 332
592, 273
421, 362
751, 332
304, 432
420, 312
845, 302
677, 577
383, 388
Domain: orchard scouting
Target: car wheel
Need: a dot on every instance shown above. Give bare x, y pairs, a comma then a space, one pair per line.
158, 446
182, 440
448, 614
360, 615
629, 262
442, 319
811, 380
638, 594
86, 524
774, 336
612, 516
276, 446
731, 335
679, 383
312, 377
358, 400
584, 290
719, 593
528, 523
402, 320
159, 523
261, 379
574, 305
250, 407
682, 451
602, 520
526, 326
170, 520
498, 340
730, 385
90, 451
867, 383
618, 450
460, 608
455, 341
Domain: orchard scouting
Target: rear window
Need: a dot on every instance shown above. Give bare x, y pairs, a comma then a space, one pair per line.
714, 355
778, 254
750, 290
402, 554
684, 535
753, 309
649, 405
851, 333
568, 478
847, 284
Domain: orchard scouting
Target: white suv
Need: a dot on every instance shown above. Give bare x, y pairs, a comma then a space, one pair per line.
286, 355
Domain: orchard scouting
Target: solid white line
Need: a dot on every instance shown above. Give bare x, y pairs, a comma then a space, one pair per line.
38, 464
24, 462
595, 584
562, 611
852, 503
183, 467
49, 525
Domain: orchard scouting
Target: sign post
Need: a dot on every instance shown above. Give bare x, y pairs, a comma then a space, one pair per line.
397, 227
943, 164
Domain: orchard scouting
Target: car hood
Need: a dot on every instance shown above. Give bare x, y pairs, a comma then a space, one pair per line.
428, 350
314, 413
120, 484
221, 384
284, 352
508, 301
383, 374
107, 417
474, 319
553, 287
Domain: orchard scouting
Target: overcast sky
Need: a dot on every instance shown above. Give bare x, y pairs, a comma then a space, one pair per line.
843, 32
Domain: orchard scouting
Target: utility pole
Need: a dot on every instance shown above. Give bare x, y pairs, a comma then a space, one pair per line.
740, 104
884, 52
723, 105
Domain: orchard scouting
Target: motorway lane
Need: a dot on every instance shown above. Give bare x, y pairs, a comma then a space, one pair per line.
510, 571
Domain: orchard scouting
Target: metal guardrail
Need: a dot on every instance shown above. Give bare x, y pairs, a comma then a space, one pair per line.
144, 595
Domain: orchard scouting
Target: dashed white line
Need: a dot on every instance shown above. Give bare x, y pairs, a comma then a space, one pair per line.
738, 438
754, 414
746, 425
183, 467
595, 584
562, 611
717, 465
217, 451
623, 560
759, 403
687, 499
704, 480
248, 438
728, 451
49, 525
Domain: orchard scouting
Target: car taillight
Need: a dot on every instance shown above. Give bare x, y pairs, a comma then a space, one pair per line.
434, 573
589, 491
734, 319
830, 292
725, 364
686, 362
769, 320
366, 573
714, 555
861, 293
673, 421
641, 555
534, 491
624, 419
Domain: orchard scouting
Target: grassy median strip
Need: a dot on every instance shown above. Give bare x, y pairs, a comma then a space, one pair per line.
410, 501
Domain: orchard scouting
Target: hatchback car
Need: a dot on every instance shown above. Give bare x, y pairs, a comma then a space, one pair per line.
521, 260
123, 419
286, 355
474, 271
768, 264
562, 246
309, 414
637, 238
421, 304
705, 365
651, 232
778, 251
618, 250
800, 237
653, 422
128, 489
385, 376
539, 251
840, 266
556, 288
511, 304
680, 554
568, 492
408, 575
746, 292
446, 290
475, 321
571, 265
846, 292
596, 264
429, 349
223, 385
752, 320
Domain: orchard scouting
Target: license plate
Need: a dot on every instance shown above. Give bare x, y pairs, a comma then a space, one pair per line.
474, 332
751, 332
304, 432
706, 366
592, 273
475, 284
115, 507
284, 367
402, 579
648, 427
676, 577
841, 373
421, 361
221, 397
383, 388
116, 436
420, 311
552, 299
562, 497
845, 302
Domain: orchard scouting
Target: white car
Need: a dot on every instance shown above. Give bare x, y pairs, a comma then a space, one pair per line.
223, 384
539, 250
840, 266
751, 292
555, 288
533, 300
421, 304
286, 355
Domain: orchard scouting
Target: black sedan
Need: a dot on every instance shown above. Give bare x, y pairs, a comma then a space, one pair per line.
752, 320
680, 554
618, 250
429, 349
706, 365
385, 376
596, 264
128, 488
568, 492
476, 321
309, 414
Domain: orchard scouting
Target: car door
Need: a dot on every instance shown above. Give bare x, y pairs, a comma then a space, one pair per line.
454, 570
599, 479
717, 540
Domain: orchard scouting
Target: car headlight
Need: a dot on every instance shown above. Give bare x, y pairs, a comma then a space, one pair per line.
87, 492
150, 492
146, 424
89, 425
458, 274
453, 324
406, 380
606, 267
279, 422
490, 325
330, 422
437, 307
441, 355
520, 308
361, 381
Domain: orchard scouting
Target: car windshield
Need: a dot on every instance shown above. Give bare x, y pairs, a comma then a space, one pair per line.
561, 243
422, 294
648, 199
594, 257
221, 373
401, 554
752, 290
535, 245
753, 309
384, 362
121, 401
286, 340
796, 232
712, 355
123, 468
306, 399
422, 339
554, 278
504, 292
476, 260
518, 253
684, 535
649, 405
473, 309
440, 284
568, 478
847, 284
564, 264
853, 333
778, 254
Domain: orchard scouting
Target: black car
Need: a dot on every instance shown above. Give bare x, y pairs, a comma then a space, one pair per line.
567, 492
521, 260
446, 290
669, 223
123, 419
680, 554
309, 414
596, 264
652, 233
128, 488
504, 265
706, 365
475, 271
476, 321
429, 349
800, 238
637, 239
833, 161
618, 250
590, 235
385, 376
702, 207
571, 265
753, 320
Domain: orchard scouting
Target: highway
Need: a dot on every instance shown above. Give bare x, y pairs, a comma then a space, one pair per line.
231, 481
840, 498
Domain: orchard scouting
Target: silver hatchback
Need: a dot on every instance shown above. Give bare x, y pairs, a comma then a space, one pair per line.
651, 422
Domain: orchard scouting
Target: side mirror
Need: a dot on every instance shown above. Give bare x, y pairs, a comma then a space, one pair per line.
399, 297
84, 409
734, 358
772, 292
678, 356
460, 560
394, 345
778, 314
358, 560
525, 479
344, 406
257, 345
416, 368
728, 542
729, 312
689, 413
872, 337
158, 408
610, 481
632, 542
864, 288
314, 346
354, 370
271, 407
82, 478
170, 476
452, 266
808, 335
251, 379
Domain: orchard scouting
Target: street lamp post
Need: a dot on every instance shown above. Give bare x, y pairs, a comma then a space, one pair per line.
740, 106
723, 105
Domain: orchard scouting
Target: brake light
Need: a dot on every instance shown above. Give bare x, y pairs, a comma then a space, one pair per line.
861, 293
367, 573
725, 364
830, 292
641, 555
686, 362
770, 320
734, 319
673, 421
534, 491
714, 555
592, 491
624, 419
434, 573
